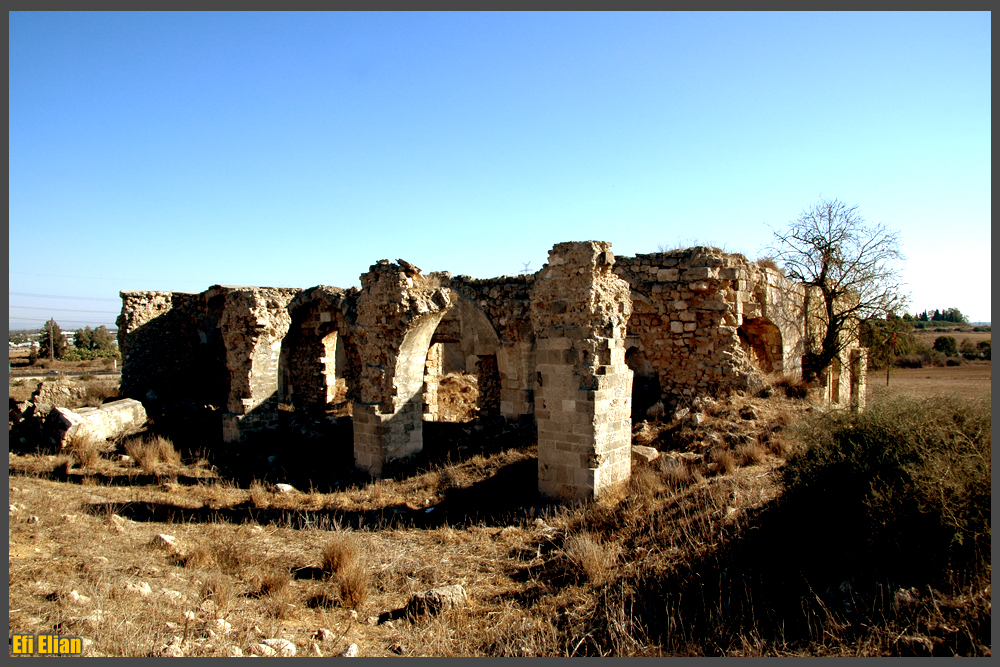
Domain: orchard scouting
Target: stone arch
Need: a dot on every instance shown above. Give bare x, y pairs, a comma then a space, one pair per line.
317, 374
464, 342
762, 341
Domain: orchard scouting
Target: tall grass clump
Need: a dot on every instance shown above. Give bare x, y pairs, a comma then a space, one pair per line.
904, 487
150, 451
342, 559
85, 449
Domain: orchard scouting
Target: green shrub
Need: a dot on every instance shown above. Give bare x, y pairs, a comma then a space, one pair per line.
946, 345
903, 488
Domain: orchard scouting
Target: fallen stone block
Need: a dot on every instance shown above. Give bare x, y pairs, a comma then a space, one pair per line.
645, 455
106, 422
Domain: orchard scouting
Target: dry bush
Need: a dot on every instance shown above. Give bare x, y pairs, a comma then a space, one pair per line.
220, 590
790, 385
97, 393
343, 560
199, 557
85, 450
273, 581
342, 550
273, 588
725, 460
749, 454
767, 262
674, 473
150, 451
354, 585
591, 559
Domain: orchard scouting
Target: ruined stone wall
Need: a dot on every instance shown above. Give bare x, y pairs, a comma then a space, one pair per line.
398, 310
170, 351
549, 347
708, 321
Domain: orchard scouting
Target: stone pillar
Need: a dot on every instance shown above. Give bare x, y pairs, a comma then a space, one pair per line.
859, 378
398, 311
583, 394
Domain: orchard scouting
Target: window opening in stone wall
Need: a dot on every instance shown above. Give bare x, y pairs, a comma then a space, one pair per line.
646, 389
334, 372
313, 375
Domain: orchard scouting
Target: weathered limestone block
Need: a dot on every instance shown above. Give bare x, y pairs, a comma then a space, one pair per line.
108, 421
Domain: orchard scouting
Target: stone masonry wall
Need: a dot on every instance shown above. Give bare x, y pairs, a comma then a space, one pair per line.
689, 307
170, 350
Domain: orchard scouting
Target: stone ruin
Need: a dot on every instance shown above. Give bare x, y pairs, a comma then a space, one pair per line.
580, 348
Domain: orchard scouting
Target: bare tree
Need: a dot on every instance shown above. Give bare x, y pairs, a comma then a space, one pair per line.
853, 265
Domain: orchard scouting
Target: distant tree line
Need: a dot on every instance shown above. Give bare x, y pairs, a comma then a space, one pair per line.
947, 315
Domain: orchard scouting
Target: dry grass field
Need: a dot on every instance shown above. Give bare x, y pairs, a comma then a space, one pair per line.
970, 380
927, 337
695, 557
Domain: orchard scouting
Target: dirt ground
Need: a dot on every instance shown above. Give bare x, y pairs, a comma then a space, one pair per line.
970, 380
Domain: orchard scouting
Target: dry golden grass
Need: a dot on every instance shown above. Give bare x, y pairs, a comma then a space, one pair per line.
85, 449
151, 452
590, 559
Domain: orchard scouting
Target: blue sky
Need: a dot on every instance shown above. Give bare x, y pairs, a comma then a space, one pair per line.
177, 151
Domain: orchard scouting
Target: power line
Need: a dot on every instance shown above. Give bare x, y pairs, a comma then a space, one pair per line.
72, 298
84, 322
66, 310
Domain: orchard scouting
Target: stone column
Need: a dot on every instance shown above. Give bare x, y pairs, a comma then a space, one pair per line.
254, 323
398, 311
859, 378
583, 394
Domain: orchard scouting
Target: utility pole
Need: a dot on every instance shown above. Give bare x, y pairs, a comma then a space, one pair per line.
52, 341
